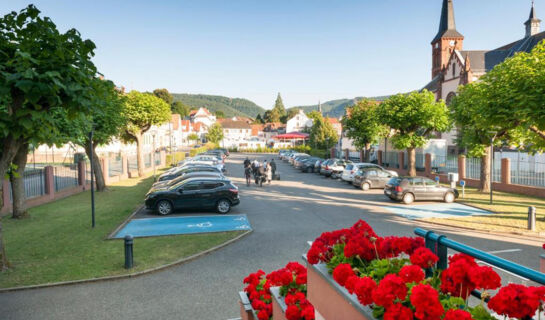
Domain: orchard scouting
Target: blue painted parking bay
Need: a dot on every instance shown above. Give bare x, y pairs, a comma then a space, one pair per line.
436, 210
163, 226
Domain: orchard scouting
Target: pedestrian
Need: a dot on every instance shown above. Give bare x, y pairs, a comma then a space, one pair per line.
269, 173
261, 175
273, 167
247, 162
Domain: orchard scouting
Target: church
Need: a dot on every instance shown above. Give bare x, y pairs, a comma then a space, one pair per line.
453, 66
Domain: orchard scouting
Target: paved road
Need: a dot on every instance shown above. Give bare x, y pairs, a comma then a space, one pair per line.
284, 216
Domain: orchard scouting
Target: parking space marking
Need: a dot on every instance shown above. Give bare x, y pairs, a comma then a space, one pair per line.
504, 251
438, 210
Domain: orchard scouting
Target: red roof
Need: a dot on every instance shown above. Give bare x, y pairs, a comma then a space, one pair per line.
186, 124
193, 112
292, 135
332, 120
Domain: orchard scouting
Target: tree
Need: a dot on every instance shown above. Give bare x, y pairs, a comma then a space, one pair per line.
193, 137
142, 111
271, 116
164, 95
363, 126
259, 119
179, 108
220, 114
290, 114
42, 70
412, 118
278, 112
322, 135
215, 133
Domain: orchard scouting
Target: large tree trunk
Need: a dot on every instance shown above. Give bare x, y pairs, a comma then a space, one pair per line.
366, 152
4, 263
411, 164
18, 183
97, 168
485, 172
139, 154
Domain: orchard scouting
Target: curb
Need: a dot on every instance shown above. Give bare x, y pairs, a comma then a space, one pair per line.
123, 224
527, 235
130, 275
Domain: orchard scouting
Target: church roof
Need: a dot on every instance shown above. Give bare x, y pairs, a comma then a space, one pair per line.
476, 59
447, 24
497, 56
433, 85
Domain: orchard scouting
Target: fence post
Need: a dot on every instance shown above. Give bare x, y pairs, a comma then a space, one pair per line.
532, 218
401, 160
49, 173
442, 264
380, 154
81, 173
105, 164
427, 165
432, 245
506, 171
461, 167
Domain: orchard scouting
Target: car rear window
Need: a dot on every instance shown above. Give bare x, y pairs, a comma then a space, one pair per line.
349, 167
395, 182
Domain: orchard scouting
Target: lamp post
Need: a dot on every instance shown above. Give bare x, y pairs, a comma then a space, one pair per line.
492, 165
92, 178
153, 134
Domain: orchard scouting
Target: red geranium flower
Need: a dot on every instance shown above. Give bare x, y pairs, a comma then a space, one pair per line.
485, 278
425, 300
411, 273
424, 258
389, 289
293, 312
342, 272
515, 301
364, 288
308, 313
457, 315
398, 312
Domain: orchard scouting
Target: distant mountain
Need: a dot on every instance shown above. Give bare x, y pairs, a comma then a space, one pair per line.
336, 108
229, 106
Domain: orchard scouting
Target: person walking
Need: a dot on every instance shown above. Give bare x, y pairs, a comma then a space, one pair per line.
261, 175
269, 173
247, 162
273, 167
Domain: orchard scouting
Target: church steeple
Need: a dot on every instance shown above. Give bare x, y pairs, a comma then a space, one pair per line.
533, 24
446, 40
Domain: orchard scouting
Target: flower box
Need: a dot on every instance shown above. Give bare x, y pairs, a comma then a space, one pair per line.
278, 304
246, 310
330, 300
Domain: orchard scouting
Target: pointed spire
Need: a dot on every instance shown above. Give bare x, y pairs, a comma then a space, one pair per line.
533, 24
447, 24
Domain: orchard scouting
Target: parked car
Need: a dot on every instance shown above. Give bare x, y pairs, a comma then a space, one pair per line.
223, 150
188, 175
324, 165
318, 165
308, 164
220, 194
180, 171
371, 177
409, 189
298, 161
291, 158
335, 167
351, 169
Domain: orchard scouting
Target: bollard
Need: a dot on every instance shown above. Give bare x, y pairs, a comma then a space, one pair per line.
532, 218
128, 251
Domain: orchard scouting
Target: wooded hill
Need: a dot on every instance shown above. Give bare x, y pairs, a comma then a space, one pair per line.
229, 106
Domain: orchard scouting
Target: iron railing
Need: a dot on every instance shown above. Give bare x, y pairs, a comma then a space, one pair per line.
157, 158
34, 181
147, 160
391, 159
65, 177
420, 162
444, 164
439, 245
528, 173
132, 163
115, 166
473, 168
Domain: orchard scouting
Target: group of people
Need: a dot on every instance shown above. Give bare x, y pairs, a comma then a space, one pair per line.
262, 171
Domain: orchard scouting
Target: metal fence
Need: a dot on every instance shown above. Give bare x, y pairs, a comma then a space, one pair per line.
147, 160
115, 166
157, 158
391, 159
473, 168
444, 164
132, 162
354, 156
496, 173
34, 180
528, 173
420, 162
65, 177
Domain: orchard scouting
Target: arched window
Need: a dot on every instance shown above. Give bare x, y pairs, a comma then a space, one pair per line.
450, 96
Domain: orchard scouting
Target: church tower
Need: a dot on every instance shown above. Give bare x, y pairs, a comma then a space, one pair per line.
446, 40
533, 24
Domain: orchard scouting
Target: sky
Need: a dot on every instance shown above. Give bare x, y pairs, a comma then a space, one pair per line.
308, 50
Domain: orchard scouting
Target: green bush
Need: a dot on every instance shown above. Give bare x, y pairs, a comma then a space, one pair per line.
206, 147
178, 156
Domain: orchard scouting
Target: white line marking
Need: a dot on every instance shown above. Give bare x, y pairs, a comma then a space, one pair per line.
235, 318
504, 251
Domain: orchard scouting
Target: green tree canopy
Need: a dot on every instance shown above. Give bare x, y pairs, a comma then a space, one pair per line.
193, 137
164, 95
363, 126
215, 133
180, 108
411, 119
322, 135
258, 119
220, 114
143, 110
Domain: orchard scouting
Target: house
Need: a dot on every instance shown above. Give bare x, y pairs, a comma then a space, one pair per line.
453, 66
336, 124
235, 133
202, 115
299, 122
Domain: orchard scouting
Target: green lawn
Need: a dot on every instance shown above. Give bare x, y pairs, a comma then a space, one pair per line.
57, 242
510, 212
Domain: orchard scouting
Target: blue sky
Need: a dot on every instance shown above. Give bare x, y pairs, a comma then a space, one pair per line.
307, 50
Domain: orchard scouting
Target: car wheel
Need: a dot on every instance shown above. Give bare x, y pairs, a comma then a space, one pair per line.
408, 198
164, 207
223, 206
365, 186
449, 197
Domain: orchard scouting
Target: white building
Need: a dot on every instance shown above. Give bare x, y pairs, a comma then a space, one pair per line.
298, 123
235, 133
202, 116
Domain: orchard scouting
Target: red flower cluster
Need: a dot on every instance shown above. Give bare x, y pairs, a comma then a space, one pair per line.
389, 289
298, 307
398, 312
457, 315
362, 287
259, 294
425, 300
424, 258
342, 272
390, 247
411, 273
516, 301
464, 275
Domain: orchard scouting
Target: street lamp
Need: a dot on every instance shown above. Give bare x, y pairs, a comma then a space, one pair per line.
153, 134
92, 177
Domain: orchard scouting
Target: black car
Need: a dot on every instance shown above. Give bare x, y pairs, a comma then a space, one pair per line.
188, 175
308, 165
372, 176
180, 171
409, 189
207, 193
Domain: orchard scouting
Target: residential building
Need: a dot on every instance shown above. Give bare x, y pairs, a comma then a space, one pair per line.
202, 115
235, 133
299, 122
336, 124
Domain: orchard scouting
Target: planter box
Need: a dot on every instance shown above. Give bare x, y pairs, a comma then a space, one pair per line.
246, 310
278, 304
330, 300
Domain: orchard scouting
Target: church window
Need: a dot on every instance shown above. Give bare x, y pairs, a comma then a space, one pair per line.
453, 70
